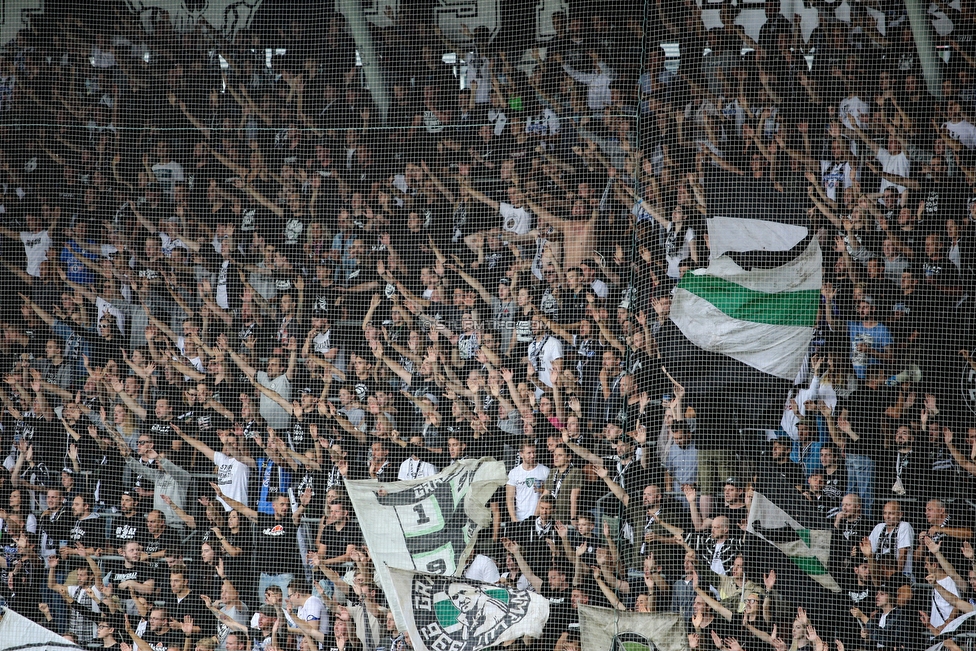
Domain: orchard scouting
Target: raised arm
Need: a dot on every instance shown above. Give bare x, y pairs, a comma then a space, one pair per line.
714, 604
196, 444
615, 488
483, 198
129, 401
513, 548
247, 512
473, 282
246, 368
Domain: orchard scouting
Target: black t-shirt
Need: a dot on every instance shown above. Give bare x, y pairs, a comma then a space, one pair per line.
335, 542
88, 532
162, 433
276, 545
167, 640
43, 436
228, 394
143, 481
866, 407
126, 528
299, 437
117, 573
190, 605
317, 481
56, 526
169, 541
202, 424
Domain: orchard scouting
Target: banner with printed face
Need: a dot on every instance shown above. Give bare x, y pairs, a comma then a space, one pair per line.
462, 615
427, 525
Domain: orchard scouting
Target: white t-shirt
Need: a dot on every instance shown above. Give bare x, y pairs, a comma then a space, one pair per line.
850, 111
35, 246
542, 355
313, 610
525, 483
941, 609
415, 469
835, 175
482, 569
220, 289
515, 220
272, 412
169, 244
897, 164
232, 476
903, 538
964, 132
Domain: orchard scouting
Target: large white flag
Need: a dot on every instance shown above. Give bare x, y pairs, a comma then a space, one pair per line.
446, 612
606, 629
18, 632
737, 234
430, 524
761, 317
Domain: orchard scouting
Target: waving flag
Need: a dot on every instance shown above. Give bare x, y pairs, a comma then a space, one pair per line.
808, 549
762, 317
462, 615
428, 525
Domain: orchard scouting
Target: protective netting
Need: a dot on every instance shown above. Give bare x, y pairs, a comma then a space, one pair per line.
459, 324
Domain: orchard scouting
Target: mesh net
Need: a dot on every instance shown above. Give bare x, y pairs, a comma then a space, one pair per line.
459, 324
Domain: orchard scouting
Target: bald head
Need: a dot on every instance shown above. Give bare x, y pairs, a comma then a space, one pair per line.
720, 528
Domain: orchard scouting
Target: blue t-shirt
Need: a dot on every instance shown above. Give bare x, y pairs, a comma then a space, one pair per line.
75, 269
877, 337
274, 480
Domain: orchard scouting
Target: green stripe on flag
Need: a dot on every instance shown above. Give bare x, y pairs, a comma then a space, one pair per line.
785, 309
808, 564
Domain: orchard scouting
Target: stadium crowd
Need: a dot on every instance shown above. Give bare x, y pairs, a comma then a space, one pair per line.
228, 286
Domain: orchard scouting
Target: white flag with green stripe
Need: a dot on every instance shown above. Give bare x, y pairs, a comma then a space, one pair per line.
809, 549
761, 317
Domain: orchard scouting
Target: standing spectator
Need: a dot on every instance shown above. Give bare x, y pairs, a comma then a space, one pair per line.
168, 478
276, 549
525, 484
891, 543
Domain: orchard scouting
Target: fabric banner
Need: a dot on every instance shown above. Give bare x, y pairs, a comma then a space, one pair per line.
808, 549
962, 627
461, 615
606, 629
430, 524
735, 234
761, 317
18, 632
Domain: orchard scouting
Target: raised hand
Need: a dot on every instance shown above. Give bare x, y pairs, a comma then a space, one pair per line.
865, 546
561, 529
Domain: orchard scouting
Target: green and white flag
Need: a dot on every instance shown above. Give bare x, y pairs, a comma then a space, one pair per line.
761, 317
606, 629
808, 549
737, 234
430, 524
456, 614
